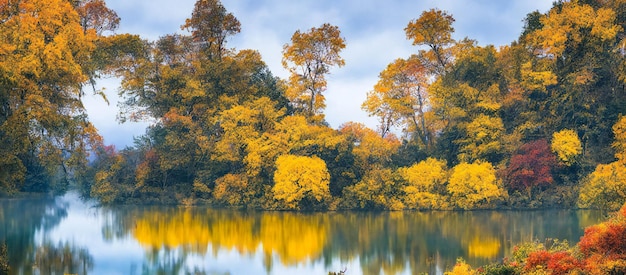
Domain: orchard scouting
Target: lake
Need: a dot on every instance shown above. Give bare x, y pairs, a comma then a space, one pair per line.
65, 235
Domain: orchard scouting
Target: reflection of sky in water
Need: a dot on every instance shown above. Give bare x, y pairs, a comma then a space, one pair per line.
83, 227
131, 240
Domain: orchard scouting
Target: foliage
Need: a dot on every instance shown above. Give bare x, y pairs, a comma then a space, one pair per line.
378, 189
298, 178
400, 98
531, 167
232, 189
474, 185
45, 61
223, 127
604, 188
425, 184
619, 131
604, 245
210, 25
566, 145
309, 58
484, 135
433, 29
461, 267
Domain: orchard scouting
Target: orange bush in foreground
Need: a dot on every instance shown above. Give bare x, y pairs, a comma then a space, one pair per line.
604, 245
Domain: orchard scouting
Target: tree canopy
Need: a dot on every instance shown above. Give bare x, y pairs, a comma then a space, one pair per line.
535, 123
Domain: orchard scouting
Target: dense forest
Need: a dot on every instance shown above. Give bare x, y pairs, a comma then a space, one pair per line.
537, 123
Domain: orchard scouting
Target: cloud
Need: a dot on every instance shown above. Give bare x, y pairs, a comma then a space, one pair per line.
103, 116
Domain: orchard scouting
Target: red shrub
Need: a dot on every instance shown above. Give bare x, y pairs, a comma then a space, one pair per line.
537, 258
563, 262
608, 239
560, 262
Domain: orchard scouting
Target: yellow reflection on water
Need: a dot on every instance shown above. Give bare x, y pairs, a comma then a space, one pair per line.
293, 238
487, 248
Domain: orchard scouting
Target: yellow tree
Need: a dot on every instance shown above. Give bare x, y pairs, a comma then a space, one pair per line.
619, 131
425, 184
606, 186
378, 189
43, 55
401, 98
210, 25
297, 178
566, 145
369, 147
483, 139
433, 29
474, 185
309, 58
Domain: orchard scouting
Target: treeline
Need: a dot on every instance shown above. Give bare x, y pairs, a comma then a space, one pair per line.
536, 123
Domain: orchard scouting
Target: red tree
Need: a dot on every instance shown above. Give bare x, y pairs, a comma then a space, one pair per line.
531, 167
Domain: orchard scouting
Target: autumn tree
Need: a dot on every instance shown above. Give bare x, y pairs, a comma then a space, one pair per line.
299, 178
433, 29
566, 145
575, 60
400, 98
606, 187
425, 184
309, 59
474, 185
43, 124
370, 149
378, 189
530, 168
95, 15
467, 104
619, 144
234, 189
211, 25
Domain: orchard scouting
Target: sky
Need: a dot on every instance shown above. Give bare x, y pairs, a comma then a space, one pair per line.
373, 30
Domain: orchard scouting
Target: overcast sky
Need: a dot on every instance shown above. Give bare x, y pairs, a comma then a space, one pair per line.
373, 30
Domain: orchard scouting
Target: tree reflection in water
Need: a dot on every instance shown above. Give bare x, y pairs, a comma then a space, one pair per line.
20, 219
389, 242
63, 258
173, 240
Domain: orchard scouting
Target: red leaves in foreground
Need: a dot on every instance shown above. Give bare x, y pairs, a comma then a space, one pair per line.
602, 251
559, 262
604, 245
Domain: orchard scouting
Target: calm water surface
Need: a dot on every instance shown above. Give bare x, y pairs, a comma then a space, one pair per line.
67, 235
